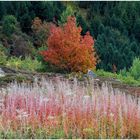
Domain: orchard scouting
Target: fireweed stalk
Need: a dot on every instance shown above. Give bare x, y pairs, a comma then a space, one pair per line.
61, 109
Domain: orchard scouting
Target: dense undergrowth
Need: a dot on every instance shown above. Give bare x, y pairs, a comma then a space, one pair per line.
61, 109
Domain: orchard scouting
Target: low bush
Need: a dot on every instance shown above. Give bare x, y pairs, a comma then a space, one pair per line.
9, 25
3, 56
27, 64
128, 80
19, 63
40, 32
106, 74
135, 69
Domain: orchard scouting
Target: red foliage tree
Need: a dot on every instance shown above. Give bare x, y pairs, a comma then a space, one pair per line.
68, 50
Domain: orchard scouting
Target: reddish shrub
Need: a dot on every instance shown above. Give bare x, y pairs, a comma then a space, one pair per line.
68, 50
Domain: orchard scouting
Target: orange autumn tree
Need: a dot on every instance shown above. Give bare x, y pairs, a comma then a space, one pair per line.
68, 50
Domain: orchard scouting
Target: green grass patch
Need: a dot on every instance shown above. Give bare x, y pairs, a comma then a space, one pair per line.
126, 79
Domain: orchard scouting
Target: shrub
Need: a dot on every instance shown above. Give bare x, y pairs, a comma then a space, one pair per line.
3, 56
106, 74
9, 25
14, 62
123, 72
68, 50
40, 32
31, 64
21, 46
123, 77
81, 21
27, 64
37, 52
128, 80
135, 69
45, 65
68, 12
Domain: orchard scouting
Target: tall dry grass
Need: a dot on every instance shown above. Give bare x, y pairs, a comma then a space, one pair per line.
60, 109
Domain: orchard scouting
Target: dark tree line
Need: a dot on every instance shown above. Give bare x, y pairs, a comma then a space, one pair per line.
26, 11
116, 28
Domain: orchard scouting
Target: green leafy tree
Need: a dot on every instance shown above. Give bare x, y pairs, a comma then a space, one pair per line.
135, 48
81, 22
68, 12
113, 48
136, 29
2, 9
9, 25
94, 26
25, 23
117, 23
135, 69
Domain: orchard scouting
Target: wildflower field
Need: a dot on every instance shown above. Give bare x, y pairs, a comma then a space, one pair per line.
61, 109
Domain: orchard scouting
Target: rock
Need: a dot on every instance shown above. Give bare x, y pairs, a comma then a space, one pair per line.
91, 74
7, 70
97, 79
2, 73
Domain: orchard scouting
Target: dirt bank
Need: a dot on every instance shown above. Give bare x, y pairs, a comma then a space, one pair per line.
18, 75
